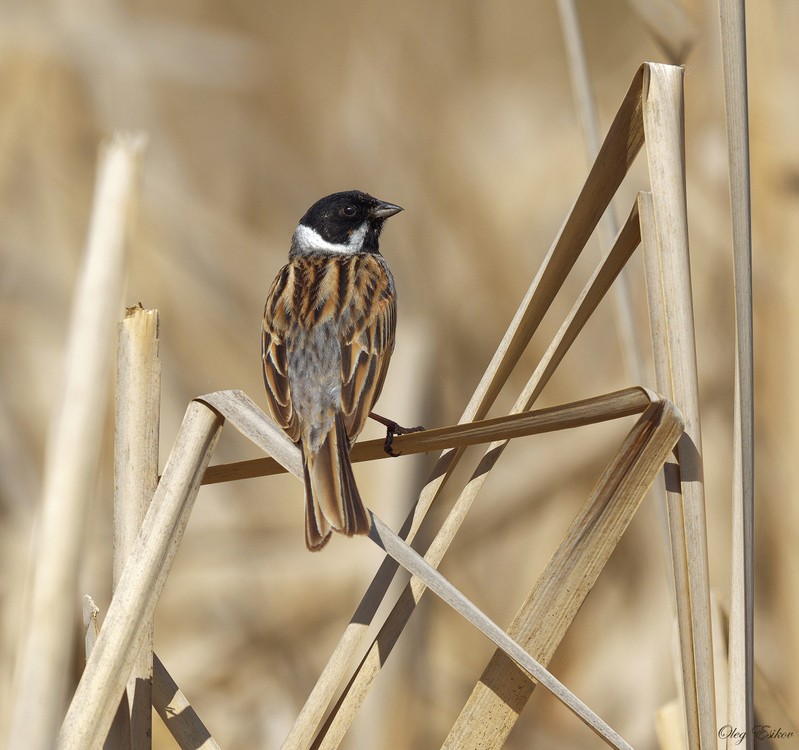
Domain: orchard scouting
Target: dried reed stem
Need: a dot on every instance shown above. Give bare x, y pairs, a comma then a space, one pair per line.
73, 450
740, 707
664, 123
660, 347
610, 406
116, 650
138, 404
658, 322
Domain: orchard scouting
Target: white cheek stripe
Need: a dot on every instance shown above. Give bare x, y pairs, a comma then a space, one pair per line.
309, 239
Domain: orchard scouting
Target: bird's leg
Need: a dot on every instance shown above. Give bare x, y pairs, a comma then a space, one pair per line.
392, 428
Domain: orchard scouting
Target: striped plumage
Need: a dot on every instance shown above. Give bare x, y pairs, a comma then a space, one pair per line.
328, 334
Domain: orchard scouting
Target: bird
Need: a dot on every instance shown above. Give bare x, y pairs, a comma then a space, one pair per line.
327, 338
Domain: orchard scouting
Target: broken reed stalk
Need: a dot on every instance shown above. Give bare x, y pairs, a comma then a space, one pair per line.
138, 407
92, 709
73, 449
740, 708
619, 149
664, 124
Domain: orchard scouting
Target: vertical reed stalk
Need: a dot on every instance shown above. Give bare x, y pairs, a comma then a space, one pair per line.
135, 479
664, 126
741, 642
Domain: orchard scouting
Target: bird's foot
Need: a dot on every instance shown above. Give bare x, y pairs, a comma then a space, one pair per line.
392, 429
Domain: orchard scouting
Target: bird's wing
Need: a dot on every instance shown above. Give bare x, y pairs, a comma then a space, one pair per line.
366, 347
274, 356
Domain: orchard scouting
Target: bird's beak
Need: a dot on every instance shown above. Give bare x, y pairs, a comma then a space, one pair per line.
383, 210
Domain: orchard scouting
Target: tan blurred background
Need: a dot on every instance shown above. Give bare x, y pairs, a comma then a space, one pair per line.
463, 114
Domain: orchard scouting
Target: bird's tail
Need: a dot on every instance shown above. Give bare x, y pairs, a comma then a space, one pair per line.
332, 500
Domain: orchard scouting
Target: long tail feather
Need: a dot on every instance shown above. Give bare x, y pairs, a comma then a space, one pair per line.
317, 529
332, 499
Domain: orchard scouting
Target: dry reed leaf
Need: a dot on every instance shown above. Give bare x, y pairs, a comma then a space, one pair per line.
740, 708
74, 451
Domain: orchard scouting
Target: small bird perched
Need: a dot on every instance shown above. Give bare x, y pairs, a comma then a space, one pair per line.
328, 335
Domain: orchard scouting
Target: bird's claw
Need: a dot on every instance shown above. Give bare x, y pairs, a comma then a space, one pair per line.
392, 429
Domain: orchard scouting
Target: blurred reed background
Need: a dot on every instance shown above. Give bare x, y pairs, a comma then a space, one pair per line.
463, 114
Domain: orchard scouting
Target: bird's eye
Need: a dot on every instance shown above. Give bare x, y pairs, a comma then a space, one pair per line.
349, 211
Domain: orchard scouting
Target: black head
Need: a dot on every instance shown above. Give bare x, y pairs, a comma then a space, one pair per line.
348, 222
